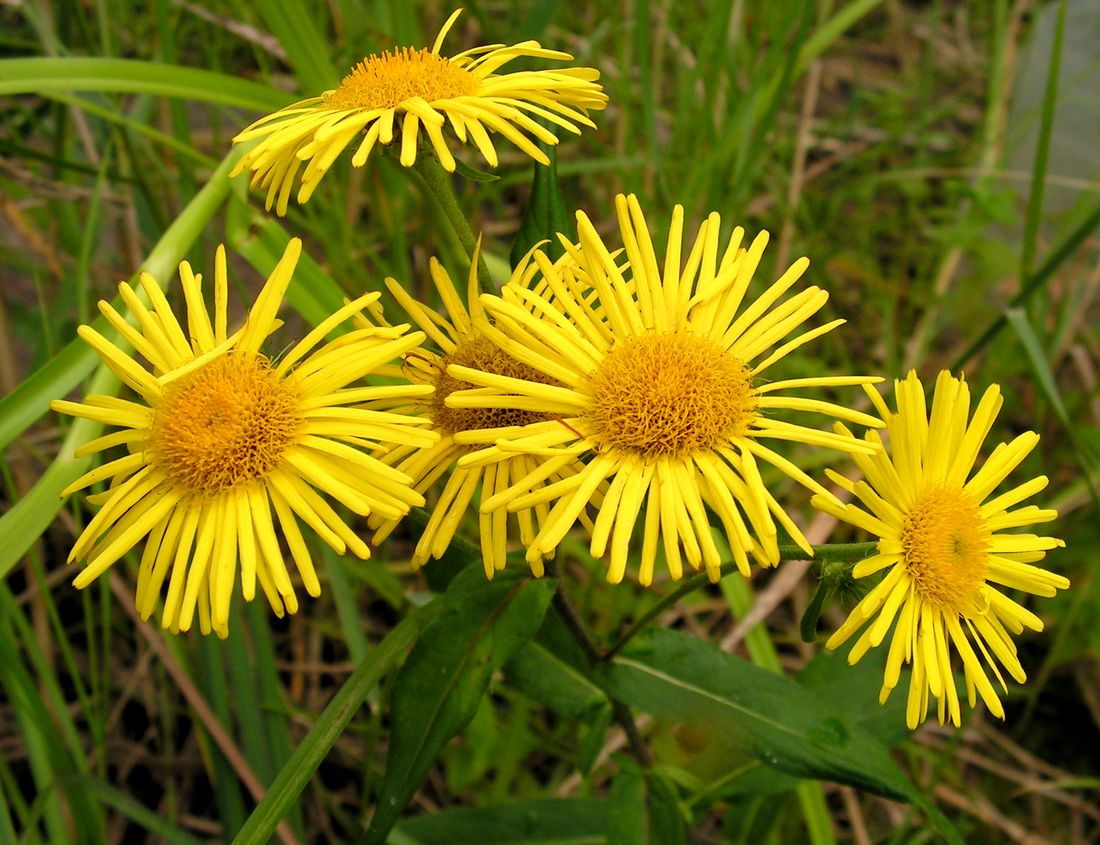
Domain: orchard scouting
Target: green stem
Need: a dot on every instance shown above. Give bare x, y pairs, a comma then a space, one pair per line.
573, 623
438, 182
839, 552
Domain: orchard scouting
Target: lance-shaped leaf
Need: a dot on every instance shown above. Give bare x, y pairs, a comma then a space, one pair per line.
437, 691
545, 214
645, 808
678, 677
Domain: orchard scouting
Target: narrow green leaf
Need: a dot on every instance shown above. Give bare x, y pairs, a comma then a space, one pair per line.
825, 35
807, 625
293, 24
312, 293
1034, 283
130, 76
24, 405
51, 763
543, 674
294, 776
1042, 148
211, 675
446, 675
29, 517
1040, 366
473, 174
545, 214
134, 810
678, 677
571, 821
644, 808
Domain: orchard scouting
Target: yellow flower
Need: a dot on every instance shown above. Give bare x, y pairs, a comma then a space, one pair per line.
944, 546
658, 382
462, 340
424, 90
222, 434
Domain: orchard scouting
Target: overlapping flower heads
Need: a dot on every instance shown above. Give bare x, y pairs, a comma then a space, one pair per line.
944, 546
654, 375
404, 91
226, 447
461, 339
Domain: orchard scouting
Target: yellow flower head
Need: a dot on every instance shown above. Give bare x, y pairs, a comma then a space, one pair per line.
944, 545
404, 90
226, 447
461, 339
654, 373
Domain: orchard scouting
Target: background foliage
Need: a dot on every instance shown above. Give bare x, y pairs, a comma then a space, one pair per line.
927, 156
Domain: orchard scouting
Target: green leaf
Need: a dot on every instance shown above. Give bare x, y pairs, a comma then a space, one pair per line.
645, 808
545, 214
438, 689
542, 675
1040, 366
308, 53
134, 810
293, 777
46, 75
473, 174
29, 517
851, 692
678, 677
572, 821
807, 625
313, 293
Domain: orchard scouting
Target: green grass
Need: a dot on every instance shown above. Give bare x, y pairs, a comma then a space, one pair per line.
874, 137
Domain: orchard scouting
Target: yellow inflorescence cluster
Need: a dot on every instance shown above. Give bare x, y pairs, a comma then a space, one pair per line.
621, 388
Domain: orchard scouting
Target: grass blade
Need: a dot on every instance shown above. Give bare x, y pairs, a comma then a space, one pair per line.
130, 76
1042, 148
292, 24
297, 772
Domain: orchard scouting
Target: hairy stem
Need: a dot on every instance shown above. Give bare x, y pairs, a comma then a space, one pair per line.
438, 182
573, 623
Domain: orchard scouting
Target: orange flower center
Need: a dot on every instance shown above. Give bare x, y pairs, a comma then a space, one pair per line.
479, 353
386, 81
946, 544
671, 394
226, 423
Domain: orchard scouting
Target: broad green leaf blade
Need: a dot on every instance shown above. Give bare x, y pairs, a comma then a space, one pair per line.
439, 687
542, 675
293, 777
644, 809
678, 677
572, 821
545, 214
45, 75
